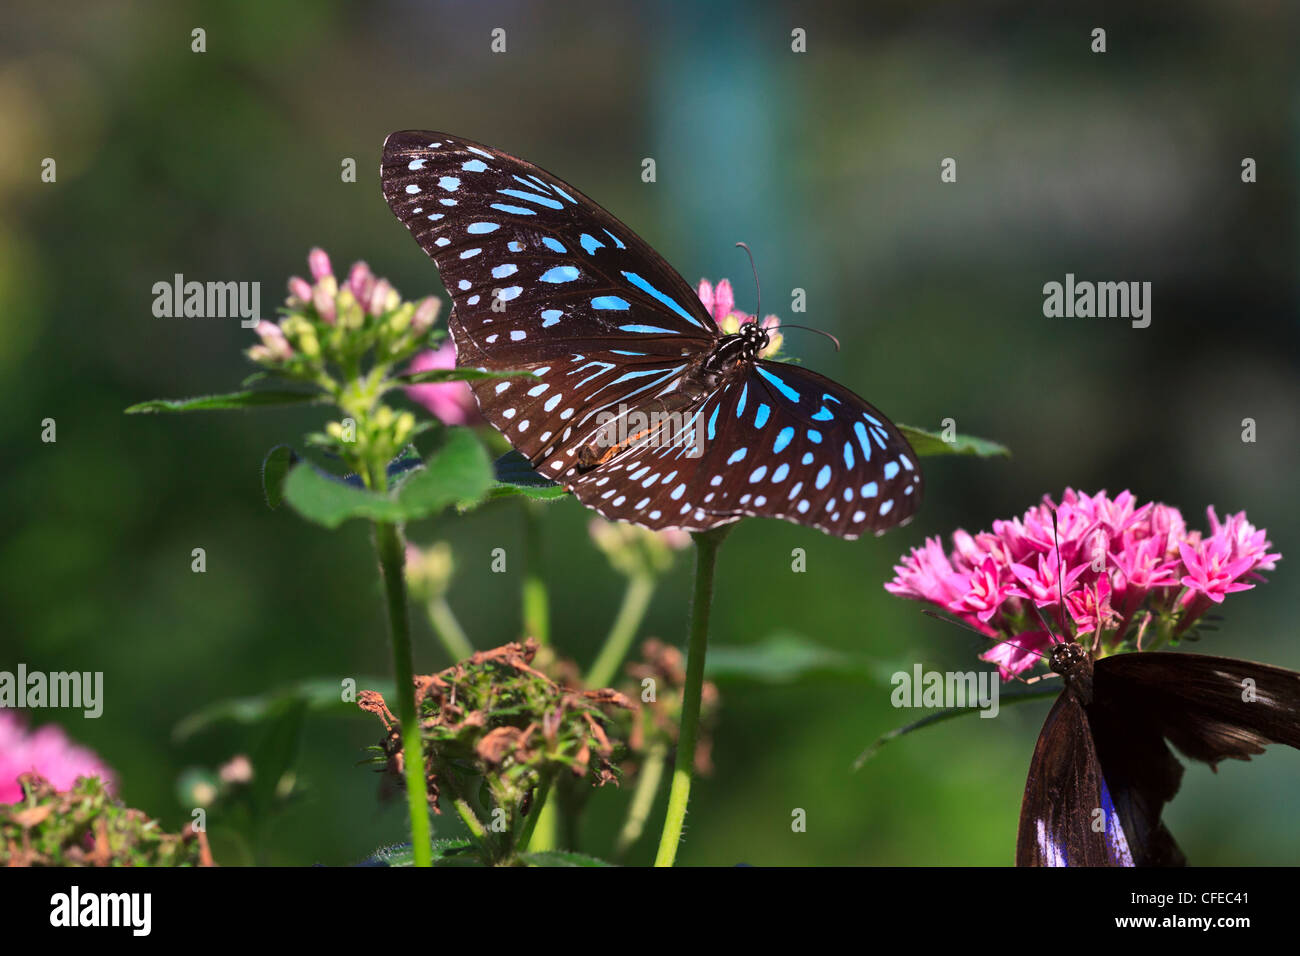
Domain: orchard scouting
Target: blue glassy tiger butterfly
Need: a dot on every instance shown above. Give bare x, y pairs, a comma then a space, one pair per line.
1103, 770
640, 406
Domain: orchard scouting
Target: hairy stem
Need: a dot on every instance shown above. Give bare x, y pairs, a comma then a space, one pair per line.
706, 555
392, 557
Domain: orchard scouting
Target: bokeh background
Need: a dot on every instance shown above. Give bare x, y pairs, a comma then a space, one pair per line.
226, 165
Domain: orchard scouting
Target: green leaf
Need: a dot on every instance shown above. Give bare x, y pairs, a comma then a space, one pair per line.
458, 474
560, 858
275, 466
784, 658
330, 501
444, 851
926, 443
318, 695
454, 375
251, 398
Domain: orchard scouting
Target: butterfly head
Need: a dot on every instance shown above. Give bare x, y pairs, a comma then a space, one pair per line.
753, 340
1066, 656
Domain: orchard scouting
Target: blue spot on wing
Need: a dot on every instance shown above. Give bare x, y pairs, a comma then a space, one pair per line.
610, 302
643, 329
654, 293
560, 274
531, 197
780, 384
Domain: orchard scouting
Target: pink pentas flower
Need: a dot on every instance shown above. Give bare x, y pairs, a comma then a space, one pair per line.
45, 750
927, 574
1211, 569
1047, 582
984, 592
1104, 570
452, 403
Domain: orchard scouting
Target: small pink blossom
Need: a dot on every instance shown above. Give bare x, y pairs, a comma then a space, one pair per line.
452, 403
1211, 569
1046, 583
984, 593
47, 751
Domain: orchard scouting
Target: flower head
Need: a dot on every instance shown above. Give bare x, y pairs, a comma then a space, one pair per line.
720, 302
45, 750
1097, 569
328, 321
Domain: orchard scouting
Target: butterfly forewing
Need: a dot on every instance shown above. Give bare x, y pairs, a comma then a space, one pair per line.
561, 271
1067, 817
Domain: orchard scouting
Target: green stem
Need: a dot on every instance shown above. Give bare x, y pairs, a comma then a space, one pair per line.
392, 557
450, 633
706, 556
472, 823
643, 798
546, 826
636, 599
537, 621
540, 803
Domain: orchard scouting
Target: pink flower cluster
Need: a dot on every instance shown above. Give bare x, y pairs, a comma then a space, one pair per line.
47, 751
1124, 572
375, 296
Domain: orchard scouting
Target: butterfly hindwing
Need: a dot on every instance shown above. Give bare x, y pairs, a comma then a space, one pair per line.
1210, 708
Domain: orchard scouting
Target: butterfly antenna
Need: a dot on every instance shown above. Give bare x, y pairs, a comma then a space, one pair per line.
759, 309
1060, 578
975, 630
808, 328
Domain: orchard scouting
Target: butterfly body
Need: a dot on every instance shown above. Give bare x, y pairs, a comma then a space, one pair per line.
641, 406
1103, 769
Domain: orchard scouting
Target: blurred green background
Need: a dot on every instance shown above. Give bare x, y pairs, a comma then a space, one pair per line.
226, 165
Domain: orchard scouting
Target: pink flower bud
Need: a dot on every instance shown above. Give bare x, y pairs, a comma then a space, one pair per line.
319, 263
299, 290
361, 281
425, 313
379, 298
273, 338
323, 299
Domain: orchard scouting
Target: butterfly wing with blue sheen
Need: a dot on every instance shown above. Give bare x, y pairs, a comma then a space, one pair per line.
544, 279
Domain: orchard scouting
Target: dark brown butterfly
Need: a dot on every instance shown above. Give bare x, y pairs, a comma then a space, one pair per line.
544, 279
1103, 769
